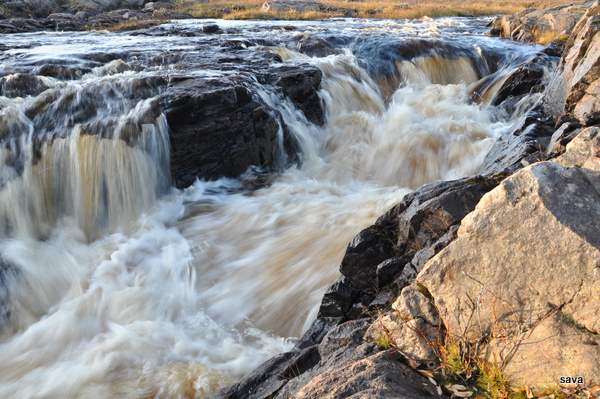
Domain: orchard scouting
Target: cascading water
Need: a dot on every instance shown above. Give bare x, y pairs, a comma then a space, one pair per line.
114, 286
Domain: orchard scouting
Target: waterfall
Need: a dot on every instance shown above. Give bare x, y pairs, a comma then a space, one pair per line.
81, 151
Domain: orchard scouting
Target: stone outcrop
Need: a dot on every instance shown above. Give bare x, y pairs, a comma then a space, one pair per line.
528, 140
300, 85
412, 327
540, 25
217, 129
343, 365
578, 92
524, 266
219, 126
227, 122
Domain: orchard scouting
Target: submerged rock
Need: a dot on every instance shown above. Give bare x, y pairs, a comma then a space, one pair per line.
301, 85
22, 85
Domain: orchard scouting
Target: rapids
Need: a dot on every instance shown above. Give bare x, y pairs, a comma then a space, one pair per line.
114, 284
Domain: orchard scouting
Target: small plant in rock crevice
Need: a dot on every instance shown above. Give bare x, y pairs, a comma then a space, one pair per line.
383, 342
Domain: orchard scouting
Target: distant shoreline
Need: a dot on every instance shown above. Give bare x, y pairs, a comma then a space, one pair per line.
76, 18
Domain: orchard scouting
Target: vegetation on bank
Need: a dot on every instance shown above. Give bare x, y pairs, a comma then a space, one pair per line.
256, 9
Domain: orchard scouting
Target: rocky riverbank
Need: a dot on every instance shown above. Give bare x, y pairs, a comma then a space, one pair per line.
481, 286
18, 16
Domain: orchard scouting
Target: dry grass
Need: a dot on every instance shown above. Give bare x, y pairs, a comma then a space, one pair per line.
393, 9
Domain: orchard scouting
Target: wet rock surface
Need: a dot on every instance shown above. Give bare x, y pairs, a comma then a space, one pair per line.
220, 120
341, 366
223, 115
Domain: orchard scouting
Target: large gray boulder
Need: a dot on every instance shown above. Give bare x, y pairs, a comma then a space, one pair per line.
523, 276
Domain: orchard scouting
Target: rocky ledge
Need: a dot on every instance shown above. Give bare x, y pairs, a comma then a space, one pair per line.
227, 115
485, 286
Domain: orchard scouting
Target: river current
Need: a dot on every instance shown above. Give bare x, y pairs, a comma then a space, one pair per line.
115, 284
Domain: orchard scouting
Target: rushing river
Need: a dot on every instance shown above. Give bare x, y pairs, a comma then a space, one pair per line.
114, 284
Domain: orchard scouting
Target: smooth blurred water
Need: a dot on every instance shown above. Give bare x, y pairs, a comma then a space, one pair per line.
118, 286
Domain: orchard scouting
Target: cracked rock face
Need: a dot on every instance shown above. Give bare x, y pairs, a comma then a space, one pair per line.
412, 326
525, 268
580, 69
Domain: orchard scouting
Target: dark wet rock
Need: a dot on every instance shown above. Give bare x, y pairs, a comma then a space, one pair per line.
338, 300
342, 365
8, 275
423, 255
389, 269
555, 49
415, 223
384, 255
525, 79
520, 147
301, 85
316, 46
62, 72
21, 85
211, 28
272, 375
217, 129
